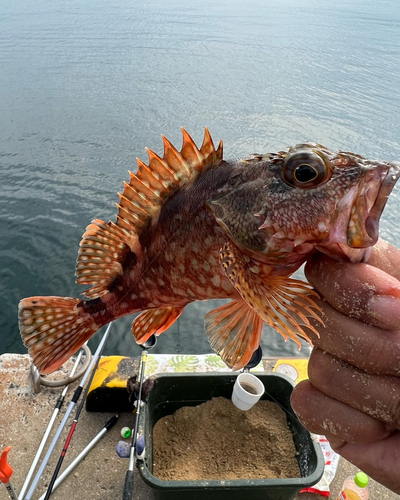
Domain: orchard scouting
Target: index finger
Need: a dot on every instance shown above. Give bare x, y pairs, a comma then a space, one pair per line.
386, 257
361, 291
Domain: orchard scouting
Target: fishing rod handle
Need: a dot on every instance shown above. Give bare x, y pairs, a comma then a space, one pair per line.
11, 491
128, 486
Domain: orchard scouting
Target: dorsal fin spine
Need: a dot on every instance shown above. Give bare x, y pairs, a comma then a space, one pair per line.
147, 185
132, 206
158, 164
174, 158
153, 179
105, 246
190, 151
131, 195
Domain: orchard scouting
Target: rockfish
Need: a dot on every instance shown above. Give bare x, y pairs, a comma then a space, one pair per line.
192, 226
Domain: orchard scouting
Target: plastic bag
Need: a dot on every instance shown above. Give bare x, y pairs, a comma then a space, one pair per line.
331, 465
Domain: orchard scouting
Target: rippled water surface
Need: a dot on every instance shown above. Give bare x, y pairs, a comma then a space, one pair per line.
86, 85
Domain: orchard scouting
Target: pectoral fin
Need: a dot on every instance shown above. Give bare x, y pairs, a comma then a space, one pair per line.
283, 303
154, 321
234, 332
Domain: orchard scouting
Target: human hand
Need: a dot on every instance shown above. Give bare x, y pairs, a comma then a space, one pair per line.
353, 392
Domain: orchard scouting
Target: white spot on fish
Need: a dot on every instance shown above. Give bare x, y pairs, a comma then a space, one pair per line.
181, 268
169, 257
216, 281
208, 241
321, 226
195, 264
202, 278
161, 282
212, 261
206, 266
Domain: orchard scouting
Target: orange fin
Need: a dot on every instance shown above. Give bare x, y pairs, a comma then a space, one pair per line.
147, 190
283, 303
105, 246
53, 329
154, 321
103, 249
234, 332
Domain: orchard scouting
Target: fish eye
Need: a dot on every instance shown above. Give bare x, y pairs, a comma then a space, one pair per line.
306, 169
305, 173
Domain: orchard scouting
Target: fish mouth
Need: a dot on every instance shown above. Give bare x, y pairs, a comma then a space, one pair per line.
369, 202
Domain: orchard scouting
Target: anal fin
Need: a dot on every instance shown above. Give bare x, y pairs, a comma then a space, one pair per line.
234, 332
154, 321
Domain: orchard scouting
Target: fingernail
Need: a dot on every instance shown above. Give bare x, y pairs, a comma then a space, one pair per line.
385, 310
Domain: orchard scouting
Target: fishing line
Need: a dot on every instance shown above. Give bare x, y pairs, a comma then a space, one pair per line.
178, 331
279, 404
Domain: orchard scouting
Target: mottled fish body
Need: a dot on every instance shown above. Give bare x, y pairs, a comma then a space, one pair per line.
191, 226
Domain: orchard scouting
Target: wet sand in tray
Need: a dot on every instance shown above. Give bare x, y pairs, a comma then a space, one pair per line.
217, 441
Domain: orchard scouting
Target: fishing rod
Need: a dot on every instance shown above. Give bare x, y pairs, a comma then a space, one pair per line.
73, 402
129, 478
56, 410
107, 426
6, 471
73, 427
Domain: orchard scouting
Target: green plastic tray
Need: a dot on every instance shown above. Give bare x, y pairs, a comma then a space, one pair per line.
172, 391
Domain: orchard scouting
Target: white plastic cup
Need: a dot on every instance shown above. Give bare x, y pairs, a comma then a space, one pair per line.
247, 390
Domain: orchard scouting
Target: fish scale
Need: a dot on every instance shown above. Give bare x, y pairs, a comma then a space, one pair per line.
193, 226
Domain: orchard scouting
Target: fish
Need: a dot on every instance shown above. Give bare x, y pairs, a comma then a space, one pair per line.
194, 226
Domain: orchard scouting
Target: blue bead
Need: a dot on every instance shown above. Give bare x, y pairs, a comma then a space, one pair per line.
123, 449
140, 444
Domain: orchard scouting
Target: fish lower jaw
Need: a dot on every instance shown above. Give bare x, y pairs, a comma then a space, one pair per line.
341, 251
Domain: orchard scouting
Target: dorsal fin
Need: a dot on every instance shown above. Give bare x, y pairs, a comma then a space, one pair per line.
105, 245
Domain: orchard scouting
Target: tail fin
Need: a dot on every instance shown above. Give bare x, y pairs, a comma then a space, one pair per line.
53, 329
